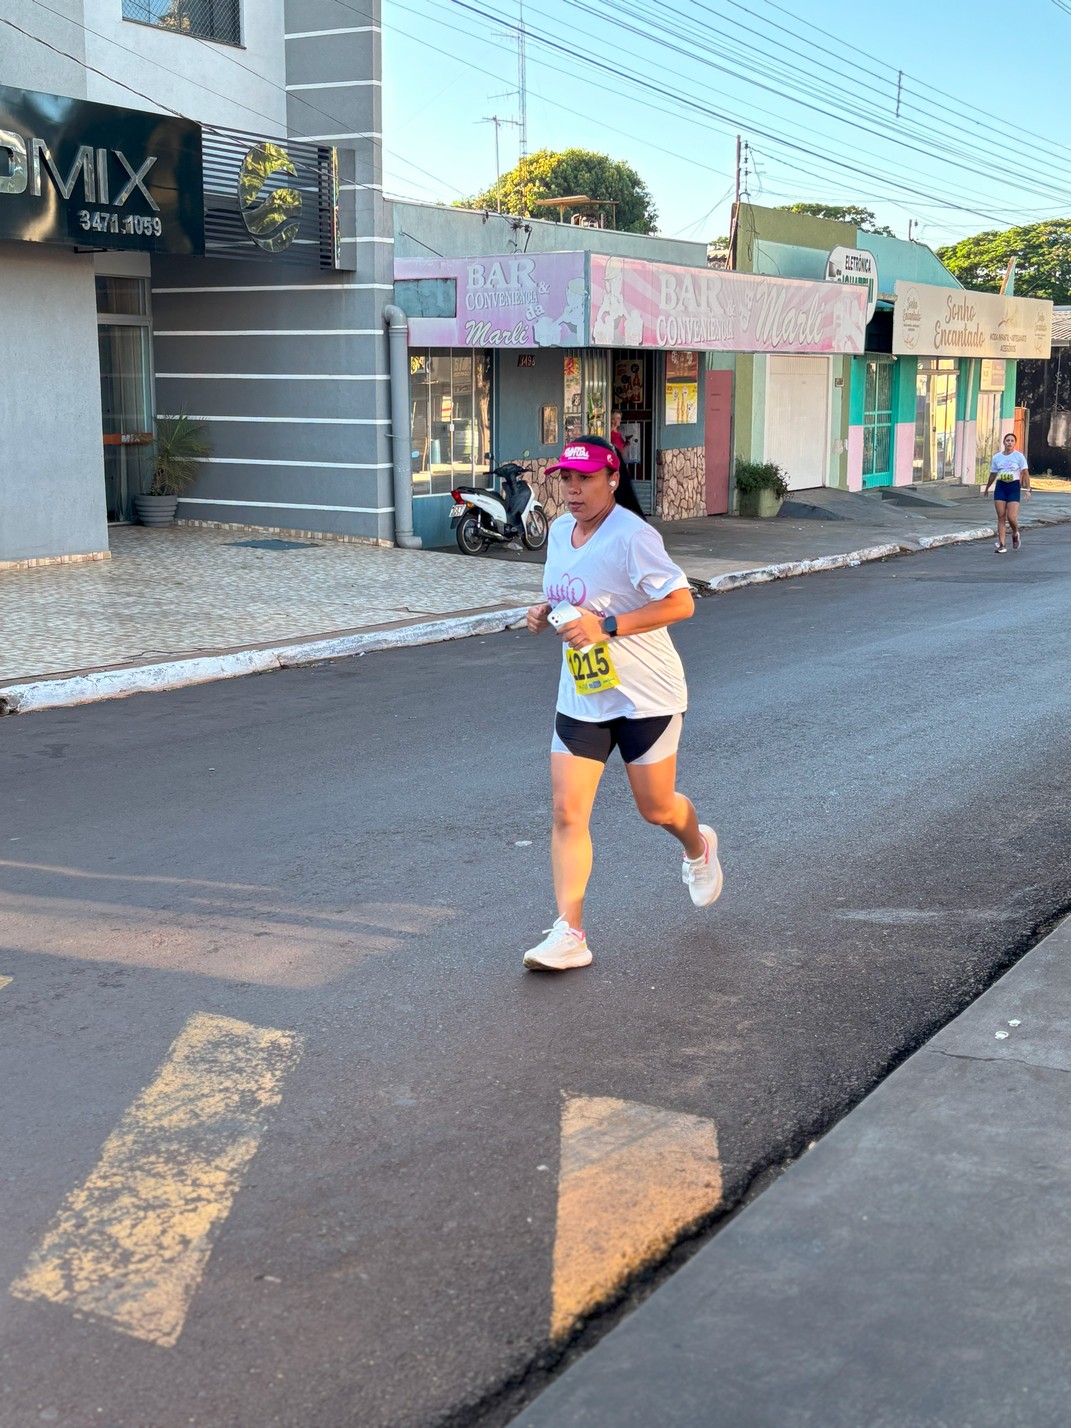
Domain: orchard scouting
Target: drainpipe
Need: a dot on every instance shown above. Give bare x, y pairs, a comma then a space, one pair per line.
401, 434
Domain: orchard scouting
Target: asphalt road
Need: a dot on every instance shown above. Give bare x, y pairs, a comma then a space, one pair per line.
267, 934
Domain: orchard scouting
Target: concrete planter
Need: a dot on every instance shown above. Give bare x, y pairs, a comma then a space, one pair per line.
155, 510
758, 503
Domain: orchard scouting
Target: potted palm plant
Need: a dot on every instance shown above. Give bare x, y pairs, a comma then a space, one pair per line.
180, 444
760, 487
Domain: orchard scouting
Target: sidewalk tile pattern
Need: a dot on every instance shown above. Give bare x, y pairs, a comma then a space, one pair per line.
181, 592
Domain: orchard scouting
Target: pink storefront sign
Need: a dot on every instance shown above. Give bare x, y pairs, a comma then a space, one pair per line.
505, 300
641, 304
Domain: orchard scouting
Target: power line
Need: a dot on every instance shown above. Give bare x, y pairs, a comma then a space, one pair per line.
222, 54
574, 54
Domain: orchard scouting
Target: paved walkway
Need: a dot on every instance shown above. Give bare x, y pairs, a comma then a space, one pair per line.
186, 591
913, 1270
175, 594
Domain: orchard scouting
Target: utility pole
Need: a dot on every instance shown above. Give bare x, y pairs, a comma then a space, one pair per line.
899, 90
522, 90
738, 168
498, 121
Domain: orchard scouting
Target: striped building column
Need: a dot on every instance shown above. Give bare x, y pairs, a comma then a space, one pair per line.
289, 364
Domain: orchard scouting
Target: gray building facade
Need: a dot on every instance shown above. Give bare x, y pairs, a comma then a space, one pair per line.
284, 358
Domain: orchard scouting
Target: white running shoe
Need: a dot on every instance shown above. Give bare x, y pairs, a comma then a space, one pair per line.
560, 950
703, 876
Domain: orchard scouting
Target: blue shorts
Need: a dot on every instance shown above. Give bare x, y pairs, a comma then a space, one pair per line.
1008, 491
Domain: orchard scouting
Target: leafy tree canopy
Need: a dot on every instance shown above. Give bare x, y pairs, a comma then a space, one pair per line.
547, 174
1042, 253
852, 213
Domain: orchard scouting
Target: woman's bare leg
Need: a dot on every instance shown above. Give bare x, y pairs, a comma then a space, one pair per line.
574, 783
654, 787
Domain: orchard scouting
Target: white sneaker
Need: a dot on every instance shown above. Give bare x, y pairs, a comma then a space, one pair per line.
703, 876
561, 949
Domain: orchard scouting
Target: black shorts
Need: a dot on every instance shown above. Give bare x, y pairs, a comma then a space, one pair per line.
641, 741
1008, 491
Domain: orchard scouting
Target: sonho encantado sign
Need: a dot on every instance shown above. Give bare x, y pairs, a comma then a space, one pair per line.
930, 321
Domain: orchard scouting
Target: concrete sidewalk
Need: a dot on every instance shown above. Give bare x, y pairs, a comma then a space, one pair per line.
185, 605
913, 1270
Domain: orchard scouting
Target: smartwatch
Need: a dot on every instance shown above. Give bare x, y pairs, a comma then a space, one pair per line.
609, 625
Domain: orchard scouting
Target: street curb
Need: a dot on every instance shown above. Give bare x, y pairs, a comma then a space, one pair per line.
96, 685
761, 575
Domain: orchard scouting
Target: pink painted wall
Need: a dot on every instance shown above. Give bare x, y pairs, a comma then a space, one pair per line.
855, 458
904, 436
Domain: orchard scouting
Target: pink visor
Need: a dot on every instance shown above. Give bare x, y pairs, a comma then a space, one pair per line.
580, 457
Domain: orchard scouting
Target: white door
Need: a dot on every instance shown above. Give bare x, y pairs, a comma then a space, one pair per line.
797, 418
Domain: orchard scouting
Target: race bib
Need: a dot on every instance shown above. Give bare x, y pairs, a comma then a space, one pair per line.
592, 669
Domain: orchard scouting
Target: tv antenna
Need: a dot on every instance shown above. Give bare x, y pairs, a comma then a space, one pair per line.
498, 121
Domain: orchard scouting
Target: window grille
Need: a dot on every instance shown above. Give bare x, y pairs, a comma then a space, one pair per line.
218, 20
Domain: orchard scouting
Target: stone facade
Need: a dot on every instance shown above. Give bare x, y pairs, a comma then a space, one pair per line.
681, 492
548, 489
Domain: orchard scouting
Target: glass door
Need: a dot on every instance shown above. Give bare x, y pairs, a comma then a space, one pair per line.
633, 395
877, 424
935, 420
125, 346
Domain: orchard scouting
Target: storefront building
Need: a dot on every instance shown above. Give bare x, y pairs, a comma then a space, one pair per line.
153, 264
928, 400
513, 353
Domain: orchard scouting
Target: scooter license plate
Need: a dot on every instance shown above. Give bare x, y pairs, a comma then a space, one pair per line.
458, 510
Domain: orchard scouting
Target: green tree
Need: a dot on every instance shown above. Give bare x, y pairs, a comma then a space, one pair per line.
857, 216
547, 174
1042, 253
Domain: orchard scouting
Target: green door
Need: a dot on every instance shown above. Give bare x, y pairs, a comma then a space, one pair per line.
878, 424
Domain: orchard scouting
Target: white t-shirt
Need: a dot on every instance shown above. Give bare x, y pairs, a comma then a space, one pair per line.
623, 566
1007, 466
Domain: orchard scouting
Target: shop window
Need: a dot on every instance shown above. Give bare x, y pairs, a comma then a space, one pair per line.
218, 20
935, 419
586, 394
450, 411
125, 348
123, 297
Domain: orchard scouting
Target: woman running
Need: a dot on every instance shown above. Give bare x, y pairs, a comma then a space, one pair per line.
612, 591
1009, 469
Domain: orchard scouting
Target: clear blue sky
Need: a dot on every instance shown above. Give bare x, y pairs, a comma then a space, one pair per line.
982, 102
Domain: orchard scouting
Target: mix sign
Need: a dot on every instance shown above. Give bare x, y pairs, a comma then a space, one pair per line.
89, 175
96, 176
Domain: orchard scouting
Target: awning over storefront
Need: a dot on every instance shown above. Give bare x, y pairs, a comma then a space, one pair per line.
574, 299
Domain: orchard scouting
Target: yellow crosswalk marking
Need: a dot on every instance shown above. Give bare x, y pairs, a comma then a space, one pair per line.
131, 1244
633, 1178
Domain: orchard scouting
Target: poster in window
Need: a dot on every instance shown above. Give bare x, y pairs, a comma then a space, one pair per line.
574, 393
682, 388
548, 425
628, 383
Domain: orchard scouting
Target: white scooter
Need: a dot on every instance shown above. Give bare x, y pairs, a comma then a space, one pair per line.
481, 516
